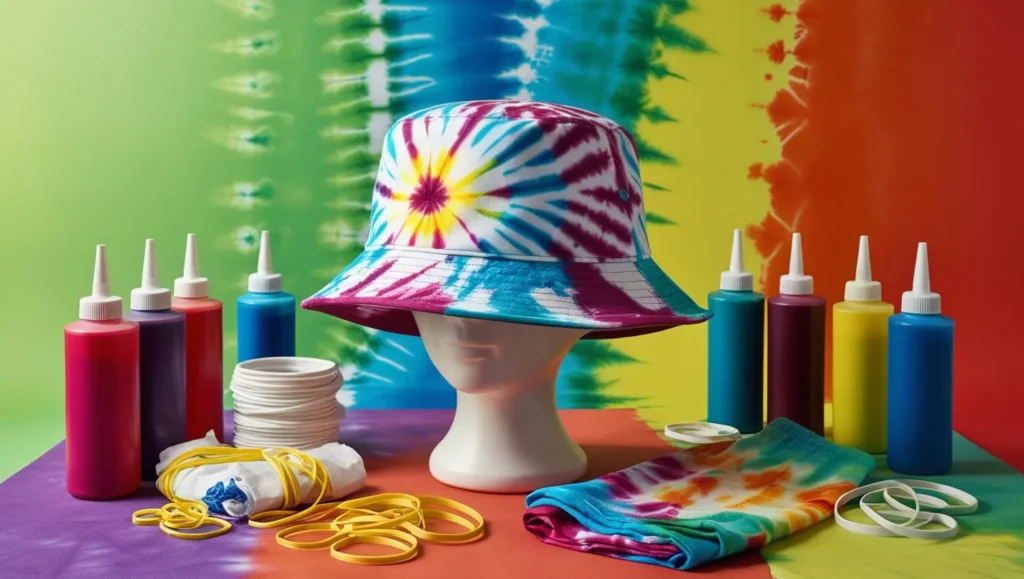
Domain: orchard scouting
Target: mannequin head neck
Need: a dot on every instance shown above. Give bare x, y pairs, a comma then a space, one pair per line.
477, 356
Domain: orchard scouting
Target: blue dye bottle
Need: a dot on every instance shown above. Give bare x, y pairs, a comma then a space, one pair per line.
266, 314
920, 424
736, 348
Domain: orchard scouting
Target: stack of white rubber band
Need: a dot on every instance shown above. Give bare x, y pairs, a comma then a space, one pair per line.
286, 402
701, 432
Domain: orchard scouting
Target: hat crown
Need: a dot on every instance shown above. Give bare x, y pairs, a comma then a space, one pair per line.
512, 179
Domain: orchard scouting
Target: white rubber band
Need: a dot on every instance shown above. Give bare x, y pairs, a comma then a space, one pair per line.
701, 432
967, 502
890, 491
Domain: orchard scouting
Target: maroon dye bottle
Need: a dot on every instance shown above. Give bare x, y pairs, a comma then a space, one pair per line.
796, 348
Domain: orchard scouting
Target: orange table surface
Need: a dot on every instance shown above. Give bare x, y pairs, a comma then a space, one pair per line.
612, 439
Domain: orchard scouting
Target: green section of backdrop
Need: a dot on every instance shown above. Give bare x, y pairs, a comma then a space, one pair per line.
95, 152
122, 120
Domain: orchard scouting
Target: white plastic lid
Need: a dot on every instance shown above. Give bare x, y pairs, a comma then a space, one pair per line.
100, 305
190, 284
862, 288
265, 280
921, 299
795, 283
150, 296
736, 279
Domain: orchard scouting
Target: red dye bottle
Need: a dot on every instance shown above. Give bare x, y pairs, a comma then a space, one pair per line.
101, 379
204, 349
796, 348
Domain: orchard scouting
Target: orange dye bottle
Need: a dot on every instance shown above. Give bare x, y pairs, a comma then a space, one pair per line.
204, 349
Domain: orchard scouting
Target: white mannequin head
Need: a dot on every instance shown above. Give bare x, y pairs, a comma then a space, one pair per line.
482, 355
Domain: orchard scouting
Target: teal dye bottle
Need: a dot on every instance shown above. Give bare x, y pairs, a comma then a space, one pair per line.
266, 314
736, 348
920, 390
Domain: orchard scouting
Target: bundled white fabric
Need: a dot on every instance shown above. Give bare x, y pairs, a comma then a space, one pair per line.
242, 489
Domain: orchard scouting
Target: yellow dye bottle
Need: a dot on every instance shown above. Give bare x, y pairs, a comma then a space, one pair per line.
860, 342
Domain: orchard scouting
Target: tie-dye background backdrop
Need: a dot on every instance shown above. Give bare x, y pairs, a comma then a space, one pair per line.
121, 120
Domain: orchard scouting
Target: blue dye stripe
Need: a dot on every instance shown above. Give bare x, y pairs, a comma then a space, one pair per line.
538, 186
389, 139
512, 127
674, 297
518, 246
444, 115
553, 218
544, 157
525, 228
627, 151
481, 133
637, 244
376, 231
527, 138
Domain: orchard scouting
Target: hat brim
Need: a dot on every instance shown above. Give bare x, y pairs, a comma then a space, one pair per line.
616, 299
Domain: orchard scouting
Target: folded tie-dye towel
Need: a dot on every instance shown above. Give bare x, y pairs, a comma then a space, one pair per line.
703, 503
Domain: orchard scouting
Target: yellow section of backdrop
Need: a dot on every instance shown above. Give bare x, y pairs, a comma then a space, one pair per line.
720, 133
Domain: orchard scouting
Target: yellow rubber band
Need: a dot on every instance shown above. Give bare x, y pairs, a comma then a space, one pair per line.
284, 536
473, 533
223, 525
395, 520
407, 544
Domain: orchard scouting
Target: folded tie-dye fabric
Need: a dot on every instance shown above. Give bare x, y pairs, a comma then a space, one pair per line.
703, 503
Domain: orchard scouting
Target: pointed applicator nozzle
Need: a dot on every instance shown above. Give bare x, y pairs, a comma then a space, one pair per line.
150, 296
795, 282
862, 288
265, 266
921, 299
191, 284
100, 281
149, 277
100, 305
265, 280
736, 279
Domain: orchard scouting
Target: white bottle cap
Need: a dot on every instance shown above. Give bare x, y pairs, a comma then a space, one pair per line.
190, 284
100, 305
795, 283
150, 297
265, 280
862, 288
736, 279
921, 299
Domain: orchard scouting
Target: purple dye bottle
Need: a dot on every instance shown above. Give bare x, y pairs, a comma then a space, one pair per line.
161, 366
796, 348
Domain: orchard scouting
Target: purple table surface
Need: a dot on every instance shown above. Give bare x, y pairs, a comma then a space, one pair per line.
47, 533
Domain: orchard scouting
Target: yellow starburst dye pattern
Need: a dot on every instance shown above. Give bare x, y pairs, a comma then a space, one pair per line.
433, 200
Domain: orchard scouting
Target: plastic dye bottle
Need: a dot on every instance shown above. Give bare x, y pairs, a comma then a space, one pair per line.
860, 350
920, 380
796, 348
266, 315
161, 365
204, 348
101, 381
736, 348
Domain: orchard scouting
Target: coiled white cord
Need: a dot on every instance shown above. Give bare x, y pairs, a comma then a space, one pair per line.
286, 402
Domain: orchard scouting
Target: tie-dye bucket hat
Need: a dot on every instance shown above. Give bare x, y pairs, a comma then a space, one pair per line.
514, 211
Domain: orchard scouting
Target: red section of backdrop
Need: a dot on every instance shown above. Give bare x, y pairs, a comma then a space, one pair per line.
903, 121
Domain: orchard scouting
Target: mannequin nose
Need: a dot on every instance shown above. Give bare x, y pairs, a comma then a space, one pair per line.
464, 329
